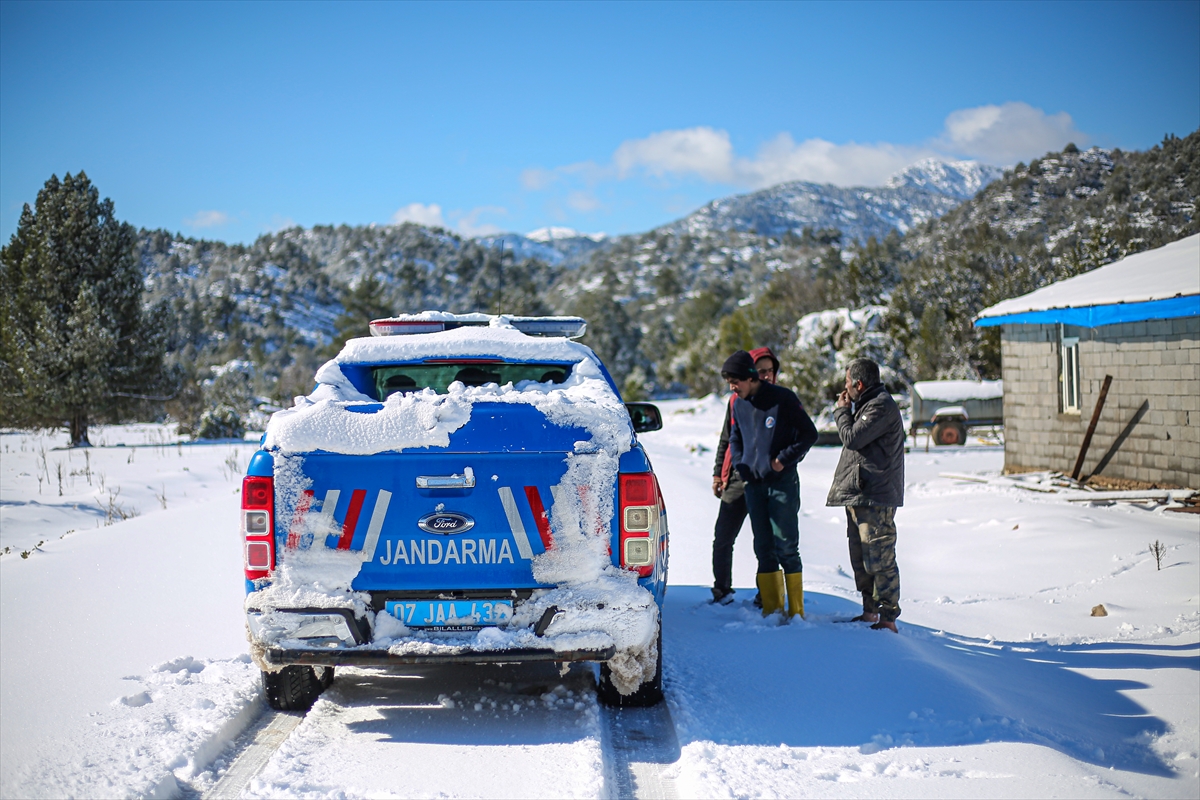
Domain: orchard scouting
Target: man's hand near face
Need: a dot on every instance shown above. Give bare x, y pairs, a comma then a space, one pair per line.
843, 400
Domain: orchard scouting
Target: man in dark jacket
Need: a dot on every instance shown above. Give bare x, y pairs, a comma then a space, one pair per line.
728, 486
770, 434
869, 482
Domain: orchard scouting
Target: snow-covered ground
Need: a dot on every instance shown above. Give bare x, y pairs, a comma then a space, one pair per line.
123, 668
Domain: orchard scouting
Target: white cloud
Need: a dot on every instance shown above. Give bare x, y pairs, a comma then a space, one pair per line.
280, 223
465, 222
535, 178
821, 161
708, 154
995, 134
1008, 133
427, 215
702, 151
207, 219
468, 223
583, 201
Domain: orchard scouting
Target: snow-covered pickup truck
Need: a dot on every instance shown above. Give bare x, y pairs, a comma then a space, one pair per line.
457, 489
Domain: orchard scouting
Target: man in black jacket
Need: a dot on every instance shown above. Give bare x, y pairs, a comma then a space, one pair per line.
727, 485
869, 482
770, 434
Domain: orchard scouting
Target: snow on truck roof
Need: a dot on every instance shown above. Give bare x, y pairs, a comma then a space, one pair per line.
326, 420
467, 342
437, 321
1158, 284
958, 391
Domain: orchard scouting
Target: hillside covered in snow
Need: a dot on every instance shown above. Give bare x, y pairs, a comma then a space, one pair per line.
922, 192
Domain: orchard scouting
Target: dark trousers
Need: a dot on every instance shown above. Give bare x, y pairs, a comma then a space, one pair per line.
871, 532
774, 507
729, 525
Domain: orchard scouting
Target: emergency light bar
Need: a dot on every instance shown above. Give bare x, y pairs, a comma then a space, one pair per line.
402, 324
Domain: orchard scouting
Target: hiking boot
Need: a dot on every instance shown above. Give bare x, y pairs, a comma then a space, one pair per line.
864, 617
722, 597
884, 625
757, 601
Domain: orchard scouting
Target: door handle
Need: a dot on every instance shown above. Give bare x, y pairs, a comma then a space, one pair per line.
464, 481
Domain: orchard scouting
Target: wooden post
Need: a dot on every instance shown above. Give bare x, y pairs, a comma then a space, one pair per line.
1087, 437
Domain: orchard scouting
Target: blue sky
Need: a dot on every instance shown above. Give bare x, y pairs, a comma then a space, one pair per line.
224, 121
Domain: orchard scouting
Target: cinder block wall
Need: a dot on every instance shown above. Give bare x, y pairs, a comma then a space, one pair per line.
1155, 362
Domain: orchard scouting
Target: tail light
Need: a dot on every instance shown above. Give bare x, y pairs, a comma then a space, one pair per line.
641, 508
258, 525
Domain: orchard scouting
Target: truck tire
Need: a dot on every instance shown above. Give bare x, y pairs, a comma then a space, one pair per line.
949, 432
649, 693
296, 687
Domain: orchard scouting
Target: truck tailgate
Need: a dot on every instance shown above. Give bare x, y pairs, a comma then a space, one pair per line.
416, 534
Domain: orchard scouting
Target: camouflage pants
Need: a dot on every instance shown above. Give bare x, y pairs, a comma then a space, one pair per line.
871, 531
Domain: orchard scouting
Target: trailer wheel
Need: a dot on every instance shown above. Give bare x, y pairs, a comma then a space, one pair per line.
648, 694
296, 687
950, 432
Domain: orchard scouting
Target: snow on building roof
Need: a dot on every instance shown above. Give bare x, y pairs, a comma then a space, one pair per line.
1157, 284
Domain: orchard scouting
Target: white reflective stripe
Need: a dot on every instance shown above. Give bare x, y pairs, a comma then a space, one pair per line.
555, 491
381, 507
514, 522
328, 506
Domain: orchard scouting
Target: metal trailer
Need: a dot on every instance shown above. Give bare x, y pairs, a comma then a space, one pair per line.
948, 408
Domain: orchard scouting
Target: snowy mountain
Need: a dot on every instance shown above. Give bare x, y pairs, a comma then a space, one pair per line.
960, 179
547, 235
924, 191
555, 245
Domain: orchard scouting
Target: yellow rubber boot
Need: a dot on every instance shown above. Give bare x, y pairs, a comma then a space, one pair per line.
795, 593
770, 586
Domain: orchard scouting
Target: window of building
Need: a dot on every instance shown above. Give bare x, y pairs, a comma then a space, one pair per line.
1068, 372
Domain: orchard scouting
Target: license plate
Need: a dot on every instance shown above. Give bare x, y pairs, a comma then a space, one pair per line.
450, 615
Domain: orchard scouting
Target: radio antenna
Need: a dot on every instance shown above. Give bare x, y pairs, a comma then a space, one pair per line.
500, 280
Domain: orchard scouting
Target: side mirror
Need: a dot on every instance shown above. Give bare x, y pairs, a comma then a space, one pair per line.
645, 416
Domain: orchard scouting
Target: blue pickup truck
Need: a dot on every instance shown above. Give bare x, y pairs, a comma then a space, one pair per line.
457, 489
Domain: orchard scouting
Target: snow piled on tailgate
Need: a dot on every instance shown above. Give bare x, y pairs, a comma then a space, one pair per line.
578, 565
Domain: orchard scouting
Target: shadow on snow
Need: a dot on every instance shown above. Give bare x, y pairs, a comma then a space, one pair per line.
734, 678
739, 679
517, 703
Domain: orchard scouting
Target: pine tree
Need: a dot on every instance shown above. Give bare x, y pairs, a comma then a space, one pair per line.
611, 333
75, 344
365, 302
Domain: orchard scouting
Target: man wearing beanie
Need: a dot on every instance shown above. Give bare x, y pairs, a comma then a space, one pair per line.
770, 434
728, 485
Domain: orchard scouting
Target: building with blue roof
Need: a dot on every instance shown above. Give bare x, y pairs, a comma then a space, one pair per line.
1138, 320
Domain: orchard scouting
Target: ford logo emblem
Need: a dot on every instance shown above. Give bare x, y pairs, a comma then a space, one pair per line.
445, 522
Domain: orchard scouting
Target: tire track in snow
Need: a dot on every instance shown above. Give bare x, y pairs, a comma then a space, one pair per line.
640, 744
256, 745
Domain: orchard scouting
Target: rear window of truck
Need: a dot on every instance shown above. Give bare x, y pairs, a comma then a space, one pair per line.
439, 375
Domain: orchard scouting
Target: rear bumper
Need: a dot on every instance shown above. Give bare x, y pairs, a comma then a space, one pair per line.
338, 657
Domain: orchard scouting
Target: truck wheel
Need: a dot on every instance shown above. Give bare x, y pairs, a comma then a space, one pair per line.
296, 687
648, 694
950, 432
